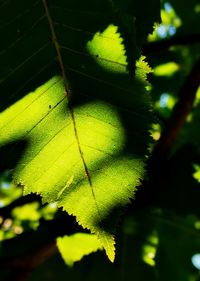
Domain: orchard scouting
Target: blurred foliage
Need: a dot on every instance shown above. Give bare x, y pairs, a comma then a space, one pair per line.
159, 242
8, 190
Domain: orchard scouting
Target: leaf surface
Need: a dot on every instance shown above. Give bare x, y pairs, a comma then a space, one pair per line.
86, 131
74, 247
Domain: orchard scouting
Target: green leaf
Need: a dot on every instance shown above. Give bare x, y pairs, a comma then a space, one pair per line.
86, 132
135, 20
74, 247
53, 165
196, 174
27, 212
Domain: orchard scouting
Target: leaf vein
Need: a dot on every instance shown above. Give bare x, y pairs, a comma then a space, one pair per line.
68, 92
2, 52
24, 62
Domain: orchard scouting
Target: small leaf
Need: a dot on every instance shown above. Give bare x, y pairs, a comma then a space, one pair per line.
74, 247
196, 174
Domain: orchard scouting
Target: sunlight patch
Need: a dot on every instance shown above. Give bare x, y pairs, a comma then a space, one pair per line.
108, 50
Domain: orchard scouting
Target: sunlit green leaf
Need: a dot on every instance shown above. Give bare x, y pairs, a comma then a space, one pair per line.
73, 248
27, 212
87, 155
196, 174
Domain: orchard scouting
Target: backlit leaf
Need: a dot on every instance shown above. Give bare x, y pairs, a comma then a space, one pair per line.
86, 131
74, 247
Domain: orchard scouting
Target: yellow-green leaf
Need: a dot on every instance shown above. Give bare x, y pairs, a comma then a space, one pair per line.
86, 133
74, 247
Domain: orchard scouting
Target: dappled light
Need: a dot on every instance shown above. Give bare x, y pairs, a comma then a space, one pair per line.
170, 23
196, 261
108, 50
149, 249
167, 69
89, 144
99, 140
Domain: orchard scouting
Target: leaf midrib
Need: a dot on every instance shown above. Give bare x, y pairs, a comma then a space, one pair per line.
68, 95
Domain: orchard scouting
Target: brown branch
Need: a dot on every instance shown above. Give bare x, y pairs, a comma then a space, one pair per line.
32, 259
159, 165
39, 249
179, 114
163, 44
21, 267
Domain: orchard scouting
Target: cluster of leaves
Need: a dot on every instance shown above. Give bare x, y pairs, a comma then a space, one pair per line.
77, 123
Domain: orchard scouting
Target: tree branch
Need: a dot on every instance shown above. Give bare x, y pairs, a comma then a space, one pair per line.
148, 194
32, 259
163, 44
179, 114
42, 246
22, 266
